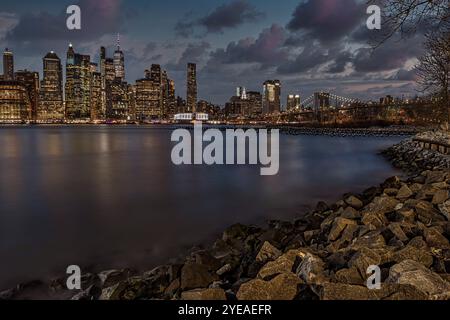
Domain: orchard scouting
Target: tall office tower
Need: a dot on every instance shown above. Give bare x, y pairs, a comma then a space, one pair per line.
255, 102
8, 65
101, 114
51, 107
119, 62
293, 102
272, 97
171, 98
102, 61
131, 102
110, 72
147, 99
31, 82
78, 86
191, 97
119, 101
321, 100
241, 92
96, 103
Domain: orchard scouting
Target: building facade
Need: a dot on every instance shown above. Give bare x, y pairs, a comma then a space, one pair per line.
30, 80
8, 65
15, 104
293, 102
272, 97
51, 107
191, 96
78, 86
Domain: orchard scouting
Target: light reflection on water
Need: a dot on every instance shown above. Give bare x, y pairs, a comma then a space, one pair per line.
110, 196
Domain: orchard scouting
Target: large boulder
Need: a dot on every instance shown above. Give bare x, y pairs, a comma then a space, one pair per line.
311, 269
267, 253
415, 274
195, 276
283, 287
354, 202
338, 227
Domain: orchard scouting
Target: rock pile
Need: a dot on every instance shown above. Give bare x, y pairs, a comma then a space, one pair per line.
412, 158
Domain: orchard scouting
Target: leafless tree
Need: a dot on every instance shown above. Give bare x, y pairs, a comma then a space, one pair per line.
406, 16
433, 68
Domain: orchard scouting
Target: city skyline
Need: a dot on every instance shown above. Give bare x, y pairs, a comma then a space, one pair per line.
309, 46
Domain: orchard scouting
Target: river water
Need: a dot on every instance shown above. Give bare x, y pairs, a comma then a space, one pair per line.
109, 197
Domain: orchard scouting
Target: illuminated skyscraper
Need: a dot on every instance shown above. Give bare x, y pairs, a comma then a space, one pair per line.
293, 102
8, 65
30, 80
271, 97
191, 97
119, 62
51, 106
78, 86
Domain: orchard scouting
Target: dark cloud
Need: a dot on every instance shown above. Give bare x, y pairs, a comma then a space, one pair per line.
312, 56
266, 49
406, 75
327, 20
42, 31
226, 16
390, 56
194, 52
343, 58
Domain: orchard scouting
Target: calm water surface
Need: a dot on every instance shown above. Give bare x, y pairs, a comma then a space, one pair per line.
110, 196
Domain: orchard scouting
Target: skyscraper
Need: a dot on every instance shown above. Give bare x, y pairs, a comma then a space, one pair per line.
272, 97
119, 62
8, 65
191, 97
293, 102
30, 80
78, 86
51, 95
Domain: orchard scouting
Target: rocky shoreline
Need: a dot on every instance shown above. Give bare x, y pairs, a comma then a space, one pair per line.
402, 226
353, 132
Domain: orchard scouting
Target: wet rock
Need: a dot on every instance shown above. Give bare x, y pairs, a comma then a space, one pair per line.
267, 252
351, 213
194, 276
204, 295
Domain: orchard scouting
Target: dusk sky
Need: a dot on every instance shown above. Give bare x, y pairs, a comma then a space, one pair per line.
308, 45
